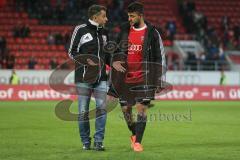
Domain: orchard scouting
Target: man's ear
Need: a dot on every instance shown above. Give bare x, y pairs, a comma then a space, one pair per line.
94, 18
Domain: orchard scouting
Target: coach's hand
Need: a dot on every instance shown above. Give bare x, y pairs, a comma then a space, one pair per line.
118, 66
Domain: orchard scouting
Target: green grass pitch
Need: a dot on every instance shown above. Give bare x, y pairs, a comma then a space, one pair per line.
176, 130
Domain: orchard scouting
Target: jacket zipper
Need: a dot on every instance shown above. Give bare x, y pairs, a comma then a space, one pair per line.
84, 71
99, 58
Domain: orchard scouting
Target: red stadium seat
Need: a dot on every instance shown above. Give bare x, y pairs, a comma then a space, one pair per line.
158, 12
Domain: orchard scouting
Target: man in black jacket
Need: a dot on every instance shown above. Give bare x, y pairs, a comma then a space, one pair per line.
86, 49
139, 68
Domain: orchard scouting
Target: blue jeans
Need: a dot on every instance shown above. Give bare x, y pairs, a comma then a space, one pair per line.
85, 90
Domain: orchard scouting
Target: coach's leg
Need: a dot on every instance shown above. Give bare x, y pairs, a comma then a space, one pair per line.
84, 94
100, 94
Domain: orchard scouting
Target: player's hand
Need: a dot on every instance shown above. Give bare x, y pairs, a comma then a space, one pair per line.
91, 63
118, 66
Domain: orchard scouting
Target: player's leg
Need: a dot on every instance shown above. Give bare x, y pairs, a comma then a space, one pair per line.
141, 123
127, 113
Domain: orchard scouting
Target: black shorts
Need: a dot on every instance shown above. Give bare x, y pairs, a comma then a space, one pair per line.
144, 102
135, 93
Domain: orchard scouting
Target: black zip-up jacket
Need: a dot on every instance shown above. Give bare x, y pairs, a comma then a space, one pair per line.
153, 52
88, 41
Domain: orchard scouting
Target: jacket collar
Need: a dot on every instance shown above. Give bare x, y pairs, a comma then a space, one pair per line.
93, 22
94, 25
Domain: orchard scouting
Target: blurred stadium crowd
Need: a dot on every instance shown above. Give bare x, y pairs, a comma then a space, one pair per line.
34, 34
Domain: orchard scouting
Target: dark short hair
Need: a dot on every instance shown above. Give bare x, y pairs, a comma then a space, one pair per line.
136, 7
95, 9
